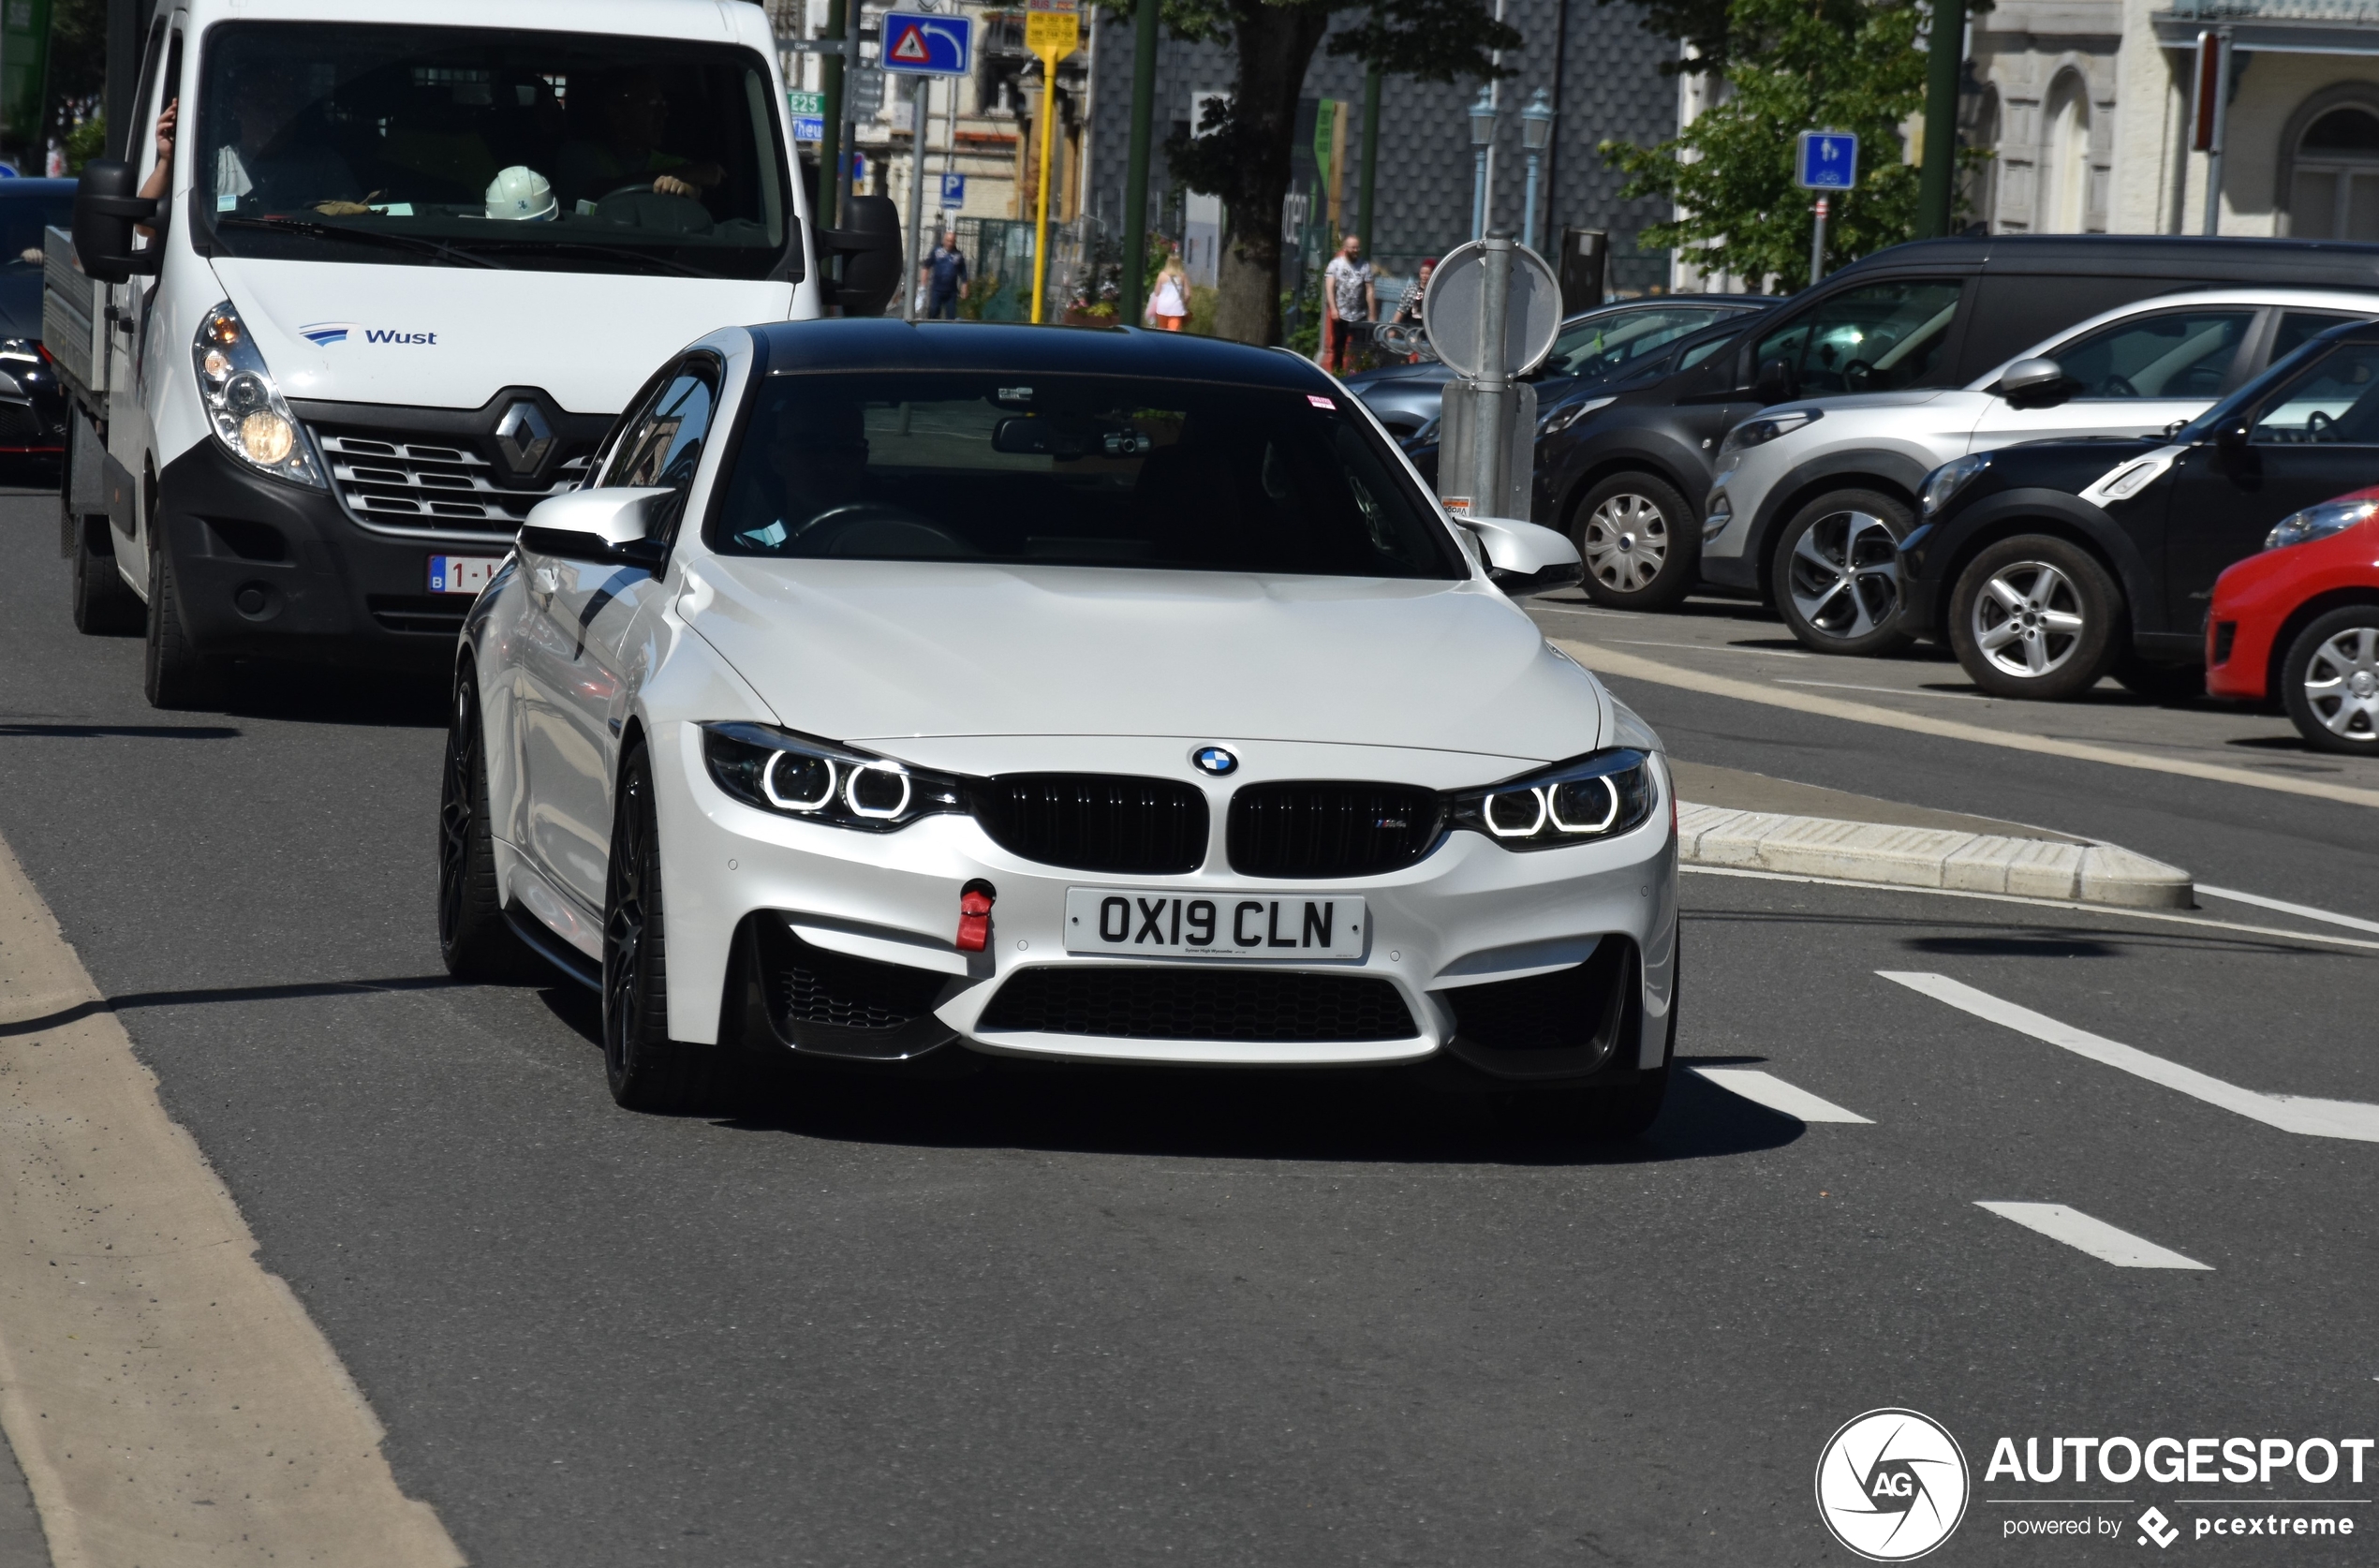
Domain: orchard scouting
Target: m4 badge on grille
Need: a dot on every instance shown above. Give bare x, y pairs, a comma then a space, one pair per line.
523, 437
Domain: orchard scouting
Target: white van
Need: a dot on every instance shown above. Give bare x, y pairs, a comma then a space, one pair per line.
406, 262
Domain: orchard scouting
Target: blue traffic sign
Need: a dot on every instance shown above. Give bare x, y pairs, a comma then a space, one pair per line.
1828, 160
928, 45
953, 190
809, 127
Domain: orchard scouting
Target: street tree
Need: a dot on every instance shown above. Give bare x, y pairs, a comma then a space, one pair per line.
1240, 151
1790, 65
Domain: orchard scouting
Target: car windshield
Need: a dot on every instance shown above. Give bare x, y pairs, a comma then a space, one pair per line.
551, 151
1029, 468
22, 221
1606, 345
2301, 398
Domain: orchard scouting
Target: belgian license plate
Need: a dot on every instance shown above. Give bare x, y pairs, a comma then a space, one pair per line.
1131, 923
462, 574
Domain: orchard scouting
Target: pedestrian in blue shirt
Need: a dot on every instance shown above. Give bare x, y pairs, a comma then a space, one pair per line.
944, 278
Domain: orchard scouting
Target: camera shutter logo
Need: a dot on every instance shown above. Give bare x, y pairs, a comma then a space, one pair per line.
1892, 1484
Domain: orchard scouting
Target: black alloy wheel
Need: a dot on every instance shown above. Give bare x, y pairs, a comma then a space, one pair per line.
2330, 681
647, 1070
2036, 617
1836, 573
1639, 541
473, 937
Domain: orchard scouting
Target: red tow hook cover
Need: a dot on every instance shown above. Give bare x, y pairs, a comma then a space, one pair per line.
974, 917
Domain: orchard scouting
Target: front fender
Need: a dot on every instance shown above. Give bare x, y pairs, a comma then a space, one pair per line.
1935, 554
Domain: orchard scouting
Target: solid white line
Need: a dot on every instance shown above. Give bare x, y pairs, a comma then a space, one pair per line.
1611, 662
2303, 912
2096, 1237
1707, 647
2115, 911
1766, 1088
1887, 690
2307, 1117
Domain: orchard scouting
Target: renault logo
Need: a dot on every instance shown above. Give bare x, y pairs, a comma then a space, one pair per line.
1215, 760
523, 437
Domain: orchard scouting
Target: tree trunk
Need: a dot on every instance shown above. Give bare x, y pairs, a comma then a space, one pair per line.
1276, 43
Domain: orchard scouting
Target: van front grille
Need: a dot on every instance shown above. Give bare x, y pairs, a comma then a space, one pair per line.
446, 484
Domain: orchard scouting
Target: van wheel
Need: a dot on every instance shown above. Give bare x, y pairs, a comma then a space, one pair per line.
1836, 573
1640, 542
104, 603
176, 675
2330, 679
647, 1069
2036, 616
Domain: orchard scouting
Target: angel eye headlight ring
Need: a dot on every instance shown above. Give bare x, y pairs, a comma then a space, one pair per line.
776, 796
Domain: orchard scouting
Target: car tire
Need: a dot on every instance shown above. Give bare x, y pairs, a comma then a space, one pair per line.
647, 1070
175, 675
104, 603
1835, 573
2330, 681
1640, 541
473, 937
2036, 616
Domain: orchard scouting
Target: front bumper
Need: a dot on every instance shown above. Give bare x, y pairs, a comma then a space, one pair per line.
1568, 956
267, 569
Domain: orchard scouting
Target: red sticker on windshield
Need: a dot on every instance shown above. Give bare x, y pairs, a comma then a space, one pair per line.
1321, 401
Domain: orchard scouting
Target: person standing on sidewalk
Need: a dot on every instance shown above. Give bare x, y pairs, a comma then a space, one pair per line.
1169, 302
1409, 310
943, 276
1349, 301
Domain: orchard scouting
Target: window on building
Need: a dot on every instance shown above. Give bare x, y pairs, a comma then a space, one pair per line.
2064, 158
2336, 190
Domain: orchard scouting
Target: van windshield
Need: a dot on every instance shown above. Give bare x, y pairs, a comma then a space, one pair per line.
466, 145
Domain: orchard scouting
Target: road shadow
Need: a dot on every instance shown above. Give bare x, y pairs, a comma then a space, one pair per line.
9, 730
330, 694
2015, 947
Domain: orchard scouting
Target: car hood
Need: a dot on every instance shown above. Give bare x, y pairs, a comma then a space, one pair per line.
874, 651
1850, 400
447, 337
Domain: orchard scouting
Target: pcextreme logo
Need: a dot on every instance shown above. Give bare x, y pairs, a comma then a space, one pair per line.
323, 334
1892, 1484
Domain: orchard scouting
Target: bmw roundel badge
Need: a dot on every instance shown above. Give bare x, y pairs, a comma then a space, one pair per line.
1215, 760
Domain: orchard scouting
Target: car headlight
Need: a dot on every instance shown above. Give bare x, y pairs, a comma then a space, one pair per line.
2331, 517
818, 781
1767, 427
1592, 797
244, 405
1948, 480
1569, 413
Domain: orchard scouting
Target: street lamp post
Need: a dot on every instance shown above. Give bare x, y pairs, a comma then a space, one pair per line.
1536, 134
1484, 115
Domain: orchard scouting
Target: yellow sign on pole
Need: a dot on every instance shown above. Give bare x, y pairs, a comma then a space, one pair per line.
1053, 30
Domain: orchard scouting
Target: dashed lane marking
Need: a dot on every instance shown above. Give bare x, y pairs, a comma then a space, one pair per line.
2289, 1113
1766, 1088
2096, 1237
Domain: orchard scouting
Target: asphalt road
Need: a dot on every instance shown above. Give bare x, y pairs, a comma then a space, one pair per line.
1096, 1317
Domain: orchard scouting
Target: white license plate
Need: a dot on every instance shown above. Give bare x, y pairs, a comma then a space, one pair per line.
1132, 922
462, 574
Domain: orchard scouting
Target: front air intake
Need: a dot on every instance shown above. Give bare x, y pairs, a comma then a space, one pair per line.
1257, 1006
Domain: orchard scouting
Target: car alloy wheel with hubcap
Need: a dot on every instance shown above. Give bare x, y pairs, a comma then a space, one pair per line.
1631, 531
1837, 574
2330, 681
2036, 616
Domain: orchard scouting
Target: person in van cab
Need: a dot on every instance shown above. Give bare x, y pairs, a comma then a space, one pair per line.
634, 111
270, 164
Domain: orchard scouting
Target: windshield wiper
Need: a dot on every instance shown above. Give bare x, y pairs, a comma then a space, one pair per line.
366, 236
618, 253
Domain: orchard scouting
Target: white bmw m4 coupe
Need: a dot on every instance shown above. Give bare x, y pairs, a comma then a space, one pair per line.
958, 691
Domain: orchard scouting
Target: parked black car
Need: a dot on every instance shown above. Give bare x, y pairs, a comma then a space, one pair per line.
2047, 565
1937, 313
1593, 345
32, 405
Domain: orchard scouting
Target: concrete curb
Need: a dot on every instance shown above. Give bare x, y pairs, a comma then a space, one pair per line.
1927, 857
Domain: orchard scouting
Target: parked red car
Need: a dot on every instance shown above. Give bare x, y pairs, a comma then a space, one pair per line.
2300, 623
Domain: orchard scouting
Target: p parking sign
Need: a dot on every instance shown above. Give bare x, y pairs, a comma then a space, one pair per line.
1828, 160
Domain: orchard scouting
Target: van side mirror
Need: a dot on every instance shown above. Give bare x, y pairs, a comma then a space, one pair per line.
107, 203
2037, 383
1525, 558
871, 253
610, 527
1774, 382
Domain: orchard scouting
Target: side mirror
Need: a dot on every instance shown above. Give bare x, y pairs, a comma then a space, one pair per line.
1774, 382
1524, 558
603, 526
871, 253
2039, 383
2232, 434
107, 204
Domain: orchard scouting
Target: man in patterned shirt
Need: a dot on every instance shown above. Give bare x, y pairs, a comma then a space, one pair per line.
1348, 301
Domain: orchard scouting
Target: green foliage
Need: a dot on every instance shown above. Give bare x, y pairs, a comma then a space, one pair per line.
1795, 66
86, 141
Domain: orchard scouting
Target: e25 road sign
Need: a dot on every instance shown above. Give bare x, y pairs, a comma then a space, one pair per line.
924, 45
1828, 160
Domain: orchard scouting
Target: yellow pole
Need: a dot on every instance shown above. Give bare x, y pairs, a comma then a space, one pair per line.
1041, 205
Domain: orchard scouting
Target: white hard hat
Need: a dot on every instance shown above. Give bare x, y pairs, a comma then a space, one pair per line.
522, 194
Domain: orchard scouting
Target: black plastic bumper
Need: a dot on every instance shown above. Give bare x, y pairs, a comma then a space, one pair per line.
268, 569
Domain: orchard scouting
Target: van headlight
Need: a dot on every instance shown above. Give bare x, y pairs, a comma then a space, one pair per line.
244, 404
1948, 480
799, 776
1595, 796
